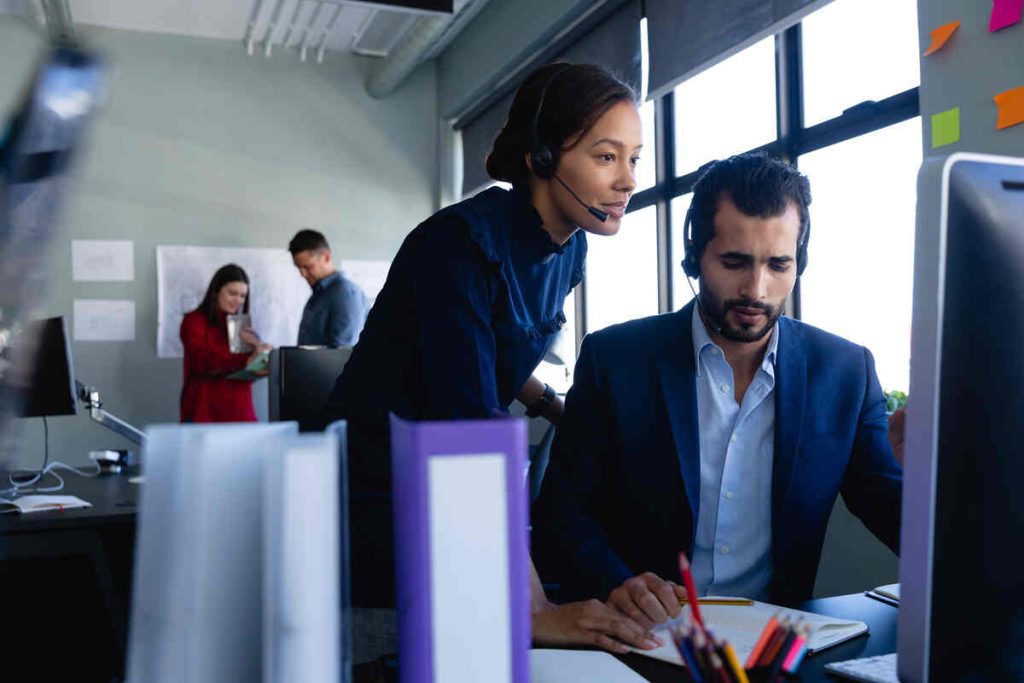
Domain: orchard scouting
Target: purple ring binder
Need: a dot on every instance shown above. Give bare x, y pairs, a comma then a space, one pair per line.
414, 445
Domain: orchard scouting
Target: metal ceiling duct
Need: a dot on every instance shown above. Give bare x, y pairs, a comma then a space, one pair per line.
59, 22
425, 40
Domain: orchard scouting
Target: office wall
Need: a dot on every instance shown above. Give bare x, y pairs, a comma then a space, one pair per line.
200, 144
973, 67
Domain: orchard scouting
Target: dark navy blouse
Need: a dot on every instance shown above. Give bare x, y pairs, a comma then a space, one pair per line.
470, 305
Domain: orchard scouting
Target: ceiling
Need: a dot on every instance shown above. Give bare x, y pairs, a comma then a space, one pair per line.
336, 24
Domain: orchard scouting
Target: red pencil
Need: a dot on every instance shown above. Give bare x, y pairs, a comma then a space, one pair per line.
691, 590
762, 642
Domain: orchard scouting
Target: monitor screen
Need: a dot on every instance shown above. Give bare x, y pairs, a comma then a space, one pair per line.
51, 390
962, 592
301, 380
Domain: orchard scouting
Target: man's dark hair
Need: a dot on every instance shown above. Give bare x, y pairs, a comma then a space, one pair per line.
224, 275
308, 240
577, 95
759, 185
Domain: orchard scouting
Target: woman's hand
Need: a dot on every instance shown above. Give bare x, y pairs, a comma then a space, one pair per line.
588, 623
250, 337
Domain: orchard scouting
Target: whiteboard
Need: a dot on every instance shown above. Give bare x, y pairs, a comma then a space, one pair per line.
277, 293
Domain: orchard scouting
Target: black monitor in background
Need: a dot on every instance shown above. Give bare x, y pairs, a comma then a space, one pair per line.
51, 389
301, 380
962, 582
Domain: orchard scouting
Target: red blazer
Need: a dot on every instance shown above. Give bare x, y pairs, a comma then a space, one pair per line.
207, 395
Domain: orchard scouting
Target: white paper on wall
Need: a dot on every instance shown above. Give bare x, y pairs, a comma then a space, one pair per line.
104, 320
102, 260
277, 293
370, 275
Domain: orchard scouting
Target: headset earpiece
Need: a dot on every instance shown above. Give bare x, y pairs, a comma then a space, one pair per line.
691, 263
543, 161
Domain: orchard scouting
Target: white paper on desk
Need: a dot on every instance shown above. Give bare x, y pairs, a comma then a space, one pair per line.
104, 320
44, 503
572, 666
742, 625
102, 260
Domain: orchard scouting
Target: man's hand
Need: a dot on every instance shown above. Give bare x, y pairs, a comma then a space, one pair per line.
588, 623
897, 422
647, 599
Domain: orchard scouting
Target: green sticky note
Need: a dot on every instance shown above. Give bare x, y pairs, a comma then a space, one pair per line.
946, 127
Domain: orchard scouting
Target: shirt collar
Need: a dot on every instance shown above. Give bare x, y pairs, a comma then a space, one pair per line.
702, 341
327, 281
529, 224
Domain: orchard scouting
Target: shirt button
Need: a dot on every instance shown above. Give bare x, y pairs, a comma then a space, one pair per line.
729, 495
725, 388
725, 550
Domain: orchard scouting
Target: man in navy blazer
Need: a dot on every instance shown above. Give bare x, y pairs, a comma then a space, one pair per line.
723, 430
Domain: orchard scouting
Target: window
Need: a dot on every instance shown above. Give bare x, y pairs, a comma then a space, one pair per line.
857, 50
645, 173
622, 272
727, 109
560, 360
681, 292
859, 275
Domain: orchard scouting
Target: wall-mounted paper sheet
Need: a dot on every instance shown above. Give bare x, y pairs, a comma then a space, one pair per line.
370, 275
946, 127
1005, 13
941, 36
1011, 107
102, 261
104, 320
277, 293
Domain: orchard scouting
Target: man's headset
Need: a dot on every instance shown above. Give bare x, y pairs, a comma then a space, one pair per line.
544, 160
691, 261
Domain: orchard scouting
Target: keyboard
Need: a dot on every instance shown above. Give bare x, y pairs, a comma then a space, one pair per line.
880, 669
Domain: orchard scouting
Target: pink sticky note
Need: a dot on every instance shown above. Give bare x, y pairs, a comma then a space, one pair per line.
1005, 13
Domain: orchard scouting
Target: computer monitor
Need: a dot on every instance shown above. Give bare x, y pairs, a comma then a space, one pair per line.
301, 381
962, 587
51, 390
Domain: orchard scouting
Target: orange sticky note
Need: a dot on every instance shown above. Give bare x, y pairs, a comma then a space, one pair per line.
941, 36
1011, 107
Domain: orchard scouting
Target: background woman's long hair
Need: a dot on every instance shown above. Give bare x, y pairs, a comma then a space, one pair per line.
224, 275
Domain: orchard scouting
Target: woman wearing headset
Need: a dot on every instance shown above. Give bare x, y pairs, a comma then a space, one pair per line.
474, 297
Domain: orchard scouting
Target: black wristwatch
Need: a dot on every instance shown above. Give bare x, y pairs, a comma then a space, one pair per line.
537, 408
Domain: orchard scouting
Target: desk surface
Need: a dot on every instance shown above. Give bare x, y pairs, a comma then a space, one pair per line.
114, 501
880, 639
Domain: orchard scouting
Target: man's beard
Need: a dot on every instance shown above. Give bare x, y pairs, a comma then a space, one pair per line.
715, 309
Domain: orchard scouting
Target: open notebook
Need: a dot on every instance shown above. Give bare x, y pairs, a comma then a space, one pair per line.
742, 624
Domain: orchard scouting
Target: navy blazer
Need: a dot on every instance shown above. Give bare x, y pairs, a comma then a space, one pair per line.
621, 493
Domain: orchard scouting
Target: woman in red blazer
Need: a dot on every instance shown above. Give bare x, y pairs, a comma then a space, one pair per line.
208, 395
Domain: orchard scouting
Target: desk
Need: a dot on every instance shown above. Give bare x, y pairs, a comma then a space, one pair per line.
881, 639
65, 579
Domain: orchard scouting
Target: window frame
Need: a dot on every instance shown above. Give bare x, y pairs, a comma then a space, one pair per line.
793, 139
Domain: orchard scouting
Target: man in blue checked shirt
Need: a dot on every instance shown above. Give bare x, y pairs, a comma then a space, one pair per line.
724, 430
336, 311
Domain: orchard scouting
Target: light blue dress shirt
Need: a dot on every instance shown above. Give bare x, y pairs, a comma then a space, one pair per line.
733, 540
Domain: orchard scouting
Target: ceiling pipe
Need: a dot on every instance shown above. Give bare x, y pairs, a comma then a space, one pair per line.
407, 56
59, 22
250, 28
